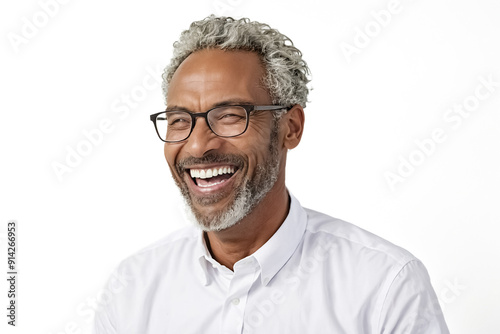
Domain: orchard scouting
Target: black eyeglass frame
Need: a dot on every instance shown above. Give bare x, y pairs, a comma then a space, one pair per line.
248, 109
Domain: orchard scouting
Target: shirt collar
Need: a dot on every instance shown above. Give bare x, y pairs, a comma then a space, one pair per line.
273, 255
203, 258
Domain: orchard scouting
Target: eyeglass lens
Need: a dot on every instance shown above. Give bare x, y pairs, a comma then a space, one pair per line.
224, 121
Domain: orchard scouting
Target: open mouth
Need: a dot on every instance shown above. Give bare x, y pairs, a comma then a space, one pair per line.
209, 177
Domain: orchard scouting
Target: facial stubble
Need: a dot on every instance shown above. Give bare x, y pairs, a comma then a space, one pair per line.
252, 191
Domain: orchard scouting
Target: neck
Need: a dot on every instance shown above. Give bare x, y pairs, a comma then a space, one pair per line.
243, 239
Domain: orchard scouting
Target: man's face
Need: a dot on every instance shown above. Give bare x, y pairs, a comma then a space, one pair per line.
249, 163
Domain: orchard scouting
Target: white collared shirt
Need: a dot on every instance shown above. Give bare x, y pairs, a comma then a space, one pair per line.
316, 274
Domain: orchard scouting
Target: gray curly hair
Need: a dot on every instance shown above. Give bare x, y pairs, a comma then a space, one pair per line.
286, 72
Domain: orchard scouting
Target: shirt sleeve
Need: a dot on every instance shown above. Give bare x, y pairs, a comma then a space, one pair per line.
102, 323
104, 320
411, 305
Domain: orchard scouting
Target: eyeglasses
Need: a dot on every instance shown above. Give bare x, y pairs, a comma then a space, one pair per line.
225, 121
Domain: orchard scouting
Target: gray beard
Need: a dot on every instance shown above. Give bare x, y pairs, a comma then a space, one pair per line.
247, 197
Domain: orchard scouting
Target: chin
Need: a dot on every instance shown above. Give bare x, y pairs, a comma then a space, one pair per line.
231, 214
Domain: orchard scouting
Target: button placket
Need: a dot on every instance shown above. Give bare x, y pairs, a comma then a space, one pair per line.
244, 276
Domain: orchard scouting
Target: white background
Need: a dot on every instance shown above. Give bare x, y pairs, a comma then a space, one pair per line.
365, 113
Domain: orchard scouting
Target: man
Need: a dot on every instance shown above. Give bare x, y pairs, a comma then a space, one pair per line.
258, 262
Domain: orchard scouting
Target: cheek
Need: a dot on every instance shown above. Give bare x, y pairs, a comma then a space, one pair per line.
170, 153
256, 151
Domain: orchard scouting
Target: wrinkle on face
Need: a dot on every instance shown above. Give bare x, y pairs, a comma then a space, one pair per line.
204, 80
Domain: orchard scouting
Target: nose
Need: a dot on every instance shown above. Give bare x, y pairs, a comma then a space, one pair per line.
202, 139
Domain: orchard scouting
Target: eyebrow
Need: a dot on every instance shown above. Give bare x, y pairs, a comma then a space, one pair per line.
218, 104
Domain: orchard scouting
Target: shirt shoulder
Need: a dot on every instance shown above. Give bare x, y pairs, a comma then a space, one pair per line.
163, 253
146, 273
178, 238
351, 238
387, 286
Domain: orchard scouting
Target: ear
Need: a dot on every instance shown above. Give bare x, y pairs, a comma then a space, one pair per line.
293, 126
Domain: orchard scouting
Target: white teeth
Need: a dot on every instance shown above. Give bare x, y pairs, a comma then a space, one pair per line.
210, 172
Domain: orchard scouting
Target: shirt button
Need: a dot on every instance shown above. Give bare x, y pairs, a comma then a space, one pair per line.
235, 301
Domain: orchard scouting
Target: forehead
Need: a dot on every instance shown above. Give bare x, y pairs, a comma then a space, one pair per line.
209, 77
